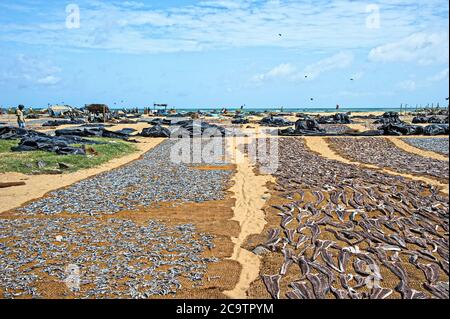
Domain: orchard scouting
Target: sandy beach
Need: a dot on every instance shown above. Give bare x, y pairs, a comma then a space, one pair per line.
239, 220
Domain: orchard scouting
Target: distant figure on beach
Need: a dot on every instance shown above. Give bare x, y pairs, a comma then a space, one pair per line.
20, 116
337, 107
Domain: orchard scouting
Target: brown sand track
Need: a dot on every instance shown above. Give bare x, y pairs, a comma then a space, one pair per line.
248, 191
320, 145
37, 186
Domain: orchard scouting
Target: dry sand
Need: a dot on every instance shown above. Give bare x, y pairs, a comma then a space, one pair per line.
37, 186
250, 193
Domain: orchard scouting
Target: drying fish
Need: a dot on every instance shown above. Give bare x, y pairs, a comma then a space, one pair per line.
304, 266
286, 220
273, 285
339, 293
319, 285
343, 259
274, 239
289, 259
290, 233
380, 293
381, 218
439, 290
328, 259
319, 197
301, 240
320, 245
301, 288
431, 272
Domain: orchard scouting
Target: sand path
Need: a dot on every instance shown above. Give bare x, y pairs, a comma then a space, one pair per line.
249, 192
38, 185
320, 146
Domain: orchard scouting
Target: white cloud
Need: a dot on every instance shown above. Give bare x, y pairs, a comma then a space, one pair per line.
285, 70
407, 85
290, 72
48, 80
423, 48
27, 71
135, 27
441, 76
337, 61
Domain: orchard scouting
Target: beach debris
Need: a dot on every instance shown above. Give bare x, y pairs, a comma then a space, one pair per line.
91, 132
126, 131
48, 144
13, 133
275, 122
64, 166
41, 164
11, 184
240, 120
338, 118
64, 122
193, 128
431, 120
389, 118
307, 126
155, 131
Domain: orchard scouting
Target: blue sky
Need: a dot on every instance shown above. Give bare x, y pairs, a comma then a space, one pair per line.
218, 53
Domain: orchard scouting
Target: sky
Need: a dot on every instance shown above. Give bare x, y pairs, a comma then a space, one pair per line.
224, 53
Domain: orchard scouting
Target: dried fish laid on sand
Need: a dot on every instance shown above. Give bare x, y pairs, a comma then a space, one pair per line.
384, 153
349, 232
151, 179
438, 145
103, 259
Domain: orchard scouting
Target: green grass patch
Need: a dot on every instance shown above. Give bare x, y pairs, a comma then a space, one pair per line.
27, 162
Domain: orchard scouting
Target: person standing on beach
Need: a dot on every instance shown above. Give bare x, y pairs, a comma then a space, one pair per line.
20, 116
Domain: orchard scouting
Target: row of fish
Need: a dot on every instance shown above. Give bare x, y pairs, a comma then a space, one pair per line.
349, 232
384, 153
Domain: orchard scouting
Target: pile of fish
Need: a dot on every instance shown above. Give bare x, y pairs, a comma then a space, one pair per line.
383, 153
438, 145
349, 232
157, 177
275, 122
91, 258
